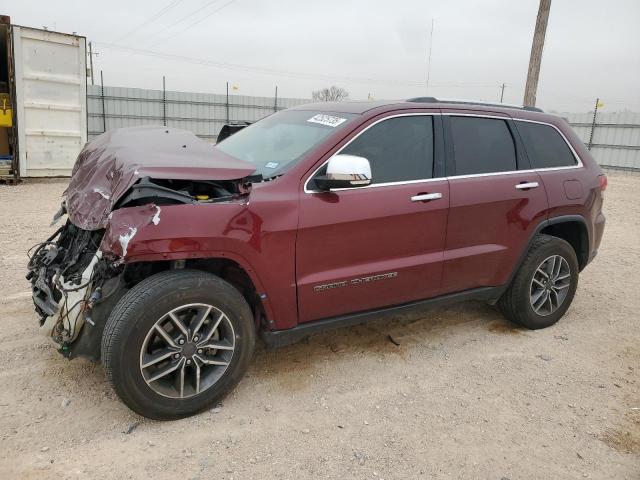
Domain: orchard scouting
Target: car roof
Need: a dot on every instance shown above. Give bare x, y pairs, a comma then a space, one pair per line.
382, 106
357, 107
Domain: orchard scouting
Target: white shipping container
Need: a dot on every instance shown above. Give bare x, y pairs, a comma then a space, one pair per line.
51, 100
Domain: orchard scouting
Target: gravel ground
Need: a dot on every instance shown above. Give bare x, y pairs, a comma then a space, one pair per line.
463, 395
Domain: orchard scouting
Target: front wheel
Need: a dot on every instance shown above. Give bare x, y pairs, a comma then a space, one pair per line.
544, 286
177, 342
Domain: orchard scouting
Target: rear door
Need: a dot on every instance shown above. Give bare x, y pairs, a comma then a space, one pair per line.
496, 201
370, 247
51, 100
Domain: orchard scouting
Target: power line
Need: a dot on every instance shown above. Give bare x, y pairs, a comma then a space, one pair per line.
157, 35
189, 15
153, 17
284, 73
192, 24
180, 20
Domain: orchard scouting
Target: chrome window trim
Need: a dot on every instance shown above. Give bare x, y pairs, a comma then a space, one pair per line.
387, 184
452, 177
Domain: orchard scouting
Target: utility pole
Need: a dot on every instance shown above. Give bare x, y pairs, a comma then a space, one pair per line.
533, 74
502, 92
91, 54
429, 59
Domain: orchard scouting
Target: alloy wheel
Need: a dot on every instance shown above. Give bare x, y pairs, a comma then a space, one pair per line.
187, 350
550, 285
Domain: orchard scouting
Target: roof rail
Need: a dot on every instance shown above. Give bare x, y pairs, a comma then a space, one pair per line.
471, 102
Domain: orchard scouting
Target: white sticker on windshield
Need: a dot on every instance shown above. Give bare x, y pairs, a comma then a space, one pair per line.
328, 120
271, 165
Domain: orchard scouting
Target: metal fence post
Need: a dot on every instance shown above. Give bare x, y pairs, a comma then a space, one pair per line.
104, 114
593, 124
227, 102
164, 102
275, 103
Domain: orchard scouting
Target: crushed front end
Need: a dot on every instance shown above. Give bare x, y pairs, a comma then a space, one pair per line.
120, 183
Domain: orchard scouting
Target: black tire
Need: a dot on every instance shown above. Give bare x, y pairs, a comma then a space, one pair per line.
135, 315
515, 303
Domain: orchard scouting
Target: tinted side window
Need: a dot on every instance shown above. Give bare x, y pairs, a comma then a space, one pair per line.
482, 145
398, 149
545, 146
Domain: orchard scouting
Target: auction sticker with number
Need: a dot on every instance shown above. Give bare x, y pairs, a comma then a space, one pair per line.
328, 120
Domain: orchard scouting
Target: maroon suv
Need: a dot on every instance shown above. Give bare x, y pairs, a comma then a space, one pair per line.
176, 253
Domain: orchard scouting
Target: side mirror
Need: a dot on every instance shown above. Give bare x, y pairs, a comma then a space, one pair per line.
345, 171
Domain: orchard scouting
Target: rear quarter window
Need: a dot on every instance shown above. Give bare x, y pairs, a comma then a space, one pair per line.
545, 146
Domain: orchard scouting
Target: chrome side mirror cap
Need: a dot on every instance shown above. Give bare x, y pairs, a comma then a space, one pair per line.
345, 171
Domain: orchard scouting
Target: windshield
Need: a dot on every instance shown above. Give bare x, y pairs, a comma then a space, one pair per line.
277, 142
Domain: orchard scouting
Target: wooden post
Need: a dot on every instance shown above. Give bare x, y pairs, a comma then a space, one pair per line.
533, 74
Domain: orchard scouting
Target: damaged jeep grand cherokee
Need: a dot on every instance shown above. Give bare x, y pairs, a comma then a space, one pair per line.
173, 254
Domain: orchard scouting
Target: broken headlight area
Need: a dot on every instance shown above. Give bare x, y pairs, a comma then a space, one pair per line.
67, 274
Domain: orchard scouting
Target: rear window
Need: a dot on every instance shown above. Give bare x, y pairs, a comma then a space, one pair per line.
545, 146
482, 145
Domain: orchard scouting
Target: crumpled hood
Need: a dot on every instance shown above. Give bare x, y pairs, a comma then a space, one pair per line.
110, 164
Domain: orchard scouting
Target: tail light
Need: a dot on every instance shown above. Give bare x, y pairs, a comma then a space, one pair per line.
603, 182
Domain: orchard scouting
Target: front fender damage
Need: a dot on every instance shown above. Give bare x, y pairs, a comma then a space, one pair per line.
123, 226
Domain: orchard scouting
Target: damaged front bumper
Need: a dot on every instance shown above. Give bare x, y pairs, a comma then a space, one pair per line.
67, 274
65, 323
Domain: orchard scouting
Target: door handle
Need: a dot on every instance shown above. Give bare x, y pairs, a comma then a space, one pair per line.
526, 185
425, 197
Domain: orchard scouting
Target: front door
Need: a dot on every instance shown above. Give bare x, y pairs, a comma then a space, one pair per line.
381, 245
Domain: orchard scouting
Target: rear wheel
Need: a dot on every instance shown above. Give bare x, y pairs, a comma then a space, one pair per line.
544, 286
177, 343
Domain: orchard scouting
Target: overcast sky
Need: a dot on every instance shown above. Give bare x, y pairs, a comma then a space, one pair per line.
376, 48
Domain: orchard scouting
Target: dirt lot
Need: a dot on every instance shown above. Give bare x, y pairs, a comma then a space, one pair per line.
464, 395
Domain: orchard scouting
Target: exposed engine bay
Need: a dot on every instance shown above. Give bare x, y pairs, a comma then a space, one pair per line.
170, 192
